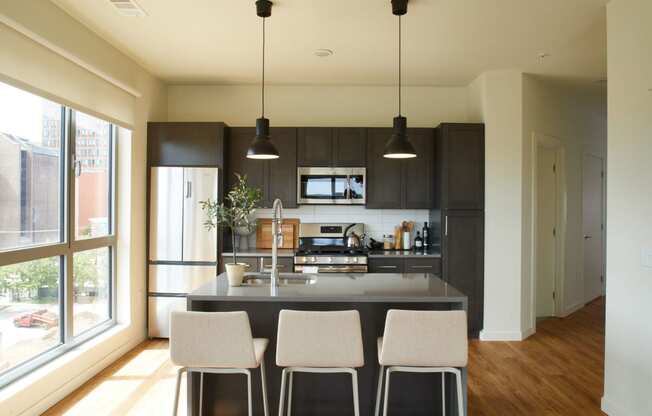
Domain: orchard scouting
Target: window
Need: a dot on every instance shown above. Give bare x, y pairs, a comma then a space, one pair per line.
57, 230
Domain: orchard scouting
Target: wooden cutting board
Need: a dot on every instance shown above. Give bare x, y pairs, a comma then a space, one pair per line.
289, 229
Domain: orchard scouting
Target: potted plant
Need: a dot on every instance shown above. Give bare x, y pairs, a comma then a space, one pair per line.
235, 213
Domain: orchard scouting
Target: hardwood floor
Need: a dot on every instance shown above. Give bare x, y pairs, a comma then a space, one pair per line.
557, 371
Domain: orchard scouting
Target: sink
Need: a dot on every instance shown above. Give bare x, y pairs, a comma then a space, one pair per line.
284, 280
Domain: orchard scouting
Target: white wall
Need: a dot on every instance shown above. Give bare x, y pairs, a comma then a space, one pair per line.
327, 106
119, 91
496, 99
576, 117
628, 357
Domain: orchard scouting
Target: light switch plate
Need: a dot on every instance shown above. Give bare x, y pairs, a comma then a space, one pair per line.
646, 258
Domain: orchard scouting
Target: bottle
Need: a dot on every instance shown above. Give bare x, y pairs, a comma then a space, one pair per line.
418, 242
426, 236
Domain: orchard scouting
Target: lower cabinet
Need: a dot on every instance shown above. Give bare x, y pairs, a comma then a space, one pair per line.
463, 254
405, 265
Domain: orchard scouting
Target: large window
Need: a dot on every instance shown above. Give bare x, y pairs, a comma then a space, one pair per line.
57, 229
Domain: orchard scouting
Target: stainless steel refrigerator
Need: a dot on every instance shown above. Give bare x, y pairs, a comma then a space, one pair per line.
182, 253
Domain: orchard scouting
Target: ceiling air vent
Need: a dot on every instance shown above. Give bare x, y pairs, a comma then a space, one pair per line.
128, 8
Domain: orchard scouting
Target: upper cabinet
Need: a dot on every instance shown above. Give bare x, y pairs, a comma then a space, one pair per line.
459, 166
276, 178
400, 183
331, 147
185, 144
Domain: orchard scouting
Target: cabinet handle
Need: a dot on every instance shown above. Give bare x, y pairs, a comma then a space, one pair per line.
446, 226
387, 267
188, 189
421, 267
269, 266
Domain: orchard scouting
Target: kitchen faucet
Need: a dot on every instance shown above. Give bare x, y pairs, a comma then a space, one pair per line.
277, 235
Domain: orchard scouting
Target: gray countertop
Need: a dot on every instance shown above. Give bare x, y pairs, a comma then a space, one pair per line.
261, 252
404, 254
338, 287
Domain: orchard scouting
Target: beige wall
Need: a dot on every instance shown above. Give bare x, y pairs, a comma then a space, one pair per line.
628, 358
577, 118
96, 78
342, 106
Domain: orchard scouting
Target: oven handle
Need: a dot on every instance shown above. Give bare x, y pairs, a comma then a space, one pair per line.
347, 191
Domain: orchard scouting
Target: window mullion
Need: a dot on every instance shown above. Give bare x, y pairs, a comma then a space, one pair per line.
70, 224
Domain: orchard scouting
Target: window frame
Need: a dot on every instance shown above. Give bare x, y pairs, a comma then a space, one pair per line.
68, 245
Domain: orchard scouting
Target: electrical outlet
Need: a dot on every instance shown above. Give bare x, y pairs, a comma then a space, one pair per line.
646, 258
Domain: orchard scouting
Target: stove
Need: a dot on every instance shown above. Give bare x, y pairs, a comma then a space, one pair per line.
322, 249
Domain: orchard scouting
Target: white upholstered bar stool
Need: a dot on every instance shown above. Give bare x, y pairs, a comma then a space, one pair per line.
318, 342
423, 342
216, 342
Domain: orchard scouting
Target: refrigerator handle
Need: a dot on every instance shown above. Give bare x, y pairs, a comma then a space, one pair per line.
188, 189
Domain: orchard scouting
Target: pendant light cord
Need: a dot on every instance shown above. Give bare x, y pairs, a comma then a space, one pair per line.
263, 83
399, 65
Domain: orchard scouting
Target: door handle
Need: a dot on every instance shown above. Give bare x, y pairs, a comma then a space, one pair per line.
586, 237
446, 226
188, 189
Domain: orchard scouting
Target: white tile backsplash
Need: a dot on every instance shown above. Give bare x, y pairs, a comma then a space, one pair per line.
377, 221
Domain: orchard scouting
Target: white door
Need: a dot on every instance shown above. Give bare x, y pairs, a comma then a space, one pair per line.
546, 258
592, 216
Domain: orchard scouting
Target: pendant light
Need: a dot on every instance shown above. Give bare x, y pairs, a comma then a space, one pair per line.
262, 147
398, 146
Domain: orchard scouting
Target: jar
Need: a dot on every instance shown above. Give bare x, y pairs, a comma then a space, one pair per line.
388, 242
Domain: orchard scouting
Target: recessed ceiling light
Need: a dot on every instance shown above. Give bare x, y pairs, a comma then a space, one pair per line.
323, 53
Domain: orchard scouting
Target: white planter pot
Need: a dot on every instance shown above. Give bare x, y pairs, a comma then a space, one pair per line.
235, 273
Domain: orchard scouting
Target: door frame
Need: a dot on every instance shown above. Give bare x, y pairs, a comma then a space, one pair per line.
550, 142
603, 219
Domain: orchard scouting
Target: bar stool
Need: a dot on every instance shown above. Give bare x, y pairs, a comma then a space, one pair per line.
423, 342
319, 342
216, 342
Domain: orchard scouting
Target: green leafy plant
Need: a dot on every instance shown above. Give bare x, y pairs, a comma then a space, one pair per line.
236, 212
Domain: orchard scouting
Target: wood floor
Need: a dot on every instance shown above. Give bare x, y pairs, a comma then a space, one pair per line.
557, 371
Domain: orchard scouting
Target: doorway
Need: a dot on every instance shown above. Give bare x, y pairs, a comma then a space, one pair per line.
593, 226
546, 223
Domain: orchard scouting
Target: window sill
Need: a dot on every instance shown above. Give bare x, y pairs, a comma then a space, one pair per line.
38, 390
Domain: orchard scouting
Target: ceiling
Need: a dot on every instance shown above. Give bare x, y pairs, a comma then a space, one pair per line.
445, 42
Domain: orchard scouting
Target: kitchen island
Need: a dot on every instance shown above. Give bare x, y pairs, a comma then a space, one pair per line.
327, 394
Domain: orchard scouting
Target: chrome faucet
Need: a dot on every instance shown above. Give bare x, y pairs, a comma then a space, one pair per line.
277, 235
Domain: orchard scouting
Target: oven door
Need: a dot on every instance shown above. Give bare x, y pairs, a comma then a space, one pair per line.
331, 186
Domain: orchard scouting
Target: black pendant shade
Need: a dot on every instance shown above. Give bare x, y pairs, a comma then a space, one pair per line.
398, 146
262, 147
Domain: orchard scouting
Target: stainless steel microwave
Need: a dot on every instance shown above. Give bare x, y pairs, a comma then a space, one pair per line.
325, 186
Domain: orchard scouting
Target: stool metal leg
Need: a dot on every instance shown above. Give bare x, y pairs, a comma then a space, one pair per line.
460, 404
443, 393
290, 384
201, 392
389, 371
380, 389
251, 410
356, 402
264, 386
282, 398
176, 392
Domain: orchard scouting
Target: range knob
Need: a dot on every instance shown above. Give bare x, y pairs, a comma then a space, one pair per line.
312, 259
355, 259
329, 259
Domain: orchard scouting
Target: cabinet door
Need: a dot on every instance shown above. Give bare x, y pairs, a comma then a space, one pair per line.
166, 214
384, 181
285, 264
419, 172
282, 172
463, 255
315, 147
462, 158
425, 265
239, 140
350, 147
389, 265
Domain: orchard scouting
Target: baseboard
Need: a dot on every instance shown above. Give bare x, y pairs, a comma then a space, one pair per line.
613, 409
572, 309
528, 333
501, 335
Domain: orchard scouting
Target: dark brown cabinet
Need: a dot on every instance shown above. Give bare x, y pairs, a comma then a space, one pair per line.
386, 265
260, 264
331, 147
424, 265
185, 144
463, 253
276, 178
460, 165
405, 265
396, 183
